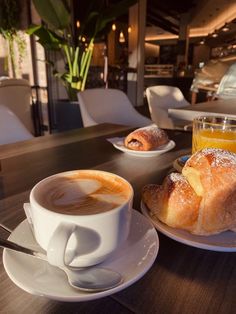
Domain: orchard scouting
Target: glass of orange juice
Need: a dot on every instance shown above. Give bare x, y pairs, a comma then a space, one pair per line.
214, 132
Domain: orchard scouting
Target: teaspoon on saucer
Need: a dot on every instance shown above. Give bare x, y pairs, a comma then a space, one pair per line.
91, 279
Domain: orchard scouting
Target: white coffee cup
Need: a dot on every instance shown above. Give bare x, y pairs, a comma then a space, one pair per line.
80, 217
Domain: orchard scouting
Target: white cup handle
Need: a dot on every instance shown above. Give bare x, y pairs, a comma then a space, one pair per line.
58, 243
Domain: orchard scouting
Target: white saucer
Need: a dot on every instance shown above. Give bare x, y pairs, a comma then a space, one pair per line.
222, 242
119, 144
133, 259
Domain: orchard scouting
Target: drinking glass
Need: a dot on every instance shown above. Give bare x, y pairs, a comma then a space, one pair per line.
214, 132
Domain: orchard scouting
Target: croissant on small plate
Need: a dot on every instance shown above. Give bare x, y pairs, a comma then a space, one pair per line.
146, 138
202, 199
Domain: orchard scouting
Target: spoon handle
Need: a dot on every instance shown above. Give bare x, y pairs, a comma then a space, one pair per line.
94, 280
5, 228
16, 247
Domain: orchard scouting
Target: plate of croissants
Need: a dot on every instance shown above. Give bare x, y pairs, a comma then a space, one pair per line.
197, 207
147, 141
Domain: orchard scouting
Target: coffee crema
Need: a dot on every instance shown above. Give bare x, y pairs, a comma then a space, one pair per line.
83, 193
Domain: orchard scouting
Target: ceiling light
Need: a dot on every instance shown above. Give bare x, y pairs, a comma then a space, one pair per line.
113, 27
202, 42
214, 35
129, 29
225, 28
121, 37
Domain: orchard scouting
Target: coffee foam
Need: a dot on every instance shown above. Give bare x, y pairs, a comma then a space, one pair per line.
83, 193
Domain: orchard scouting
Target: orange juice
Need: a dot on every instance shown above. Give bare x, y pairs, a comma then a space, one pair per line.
204, 138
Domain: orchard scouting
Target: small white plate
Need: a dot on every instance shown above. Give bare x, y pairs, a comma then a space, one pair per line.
133, 259
119, 144
222, 242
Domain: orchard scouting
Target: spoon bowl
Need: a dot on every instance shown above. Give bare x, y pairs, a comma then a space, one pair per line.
92, 279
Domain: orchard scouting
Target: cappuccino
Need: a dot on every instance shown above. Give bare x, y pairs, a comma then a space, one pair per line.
85, 192
80, 217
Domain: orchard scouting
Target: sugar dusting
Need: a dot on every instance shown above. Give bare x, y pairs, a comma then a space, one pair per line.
177, 177
146, 138
153, 129
183, 187
218, 157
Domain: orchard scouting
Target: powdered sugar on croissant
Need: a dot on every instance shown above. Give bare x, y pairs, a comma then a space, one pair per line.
174, 202
205, 191
212, 175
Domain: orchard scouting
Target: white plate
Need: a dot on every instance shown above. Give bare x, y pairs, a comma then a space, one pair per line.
133, 259
222, 242
119, 144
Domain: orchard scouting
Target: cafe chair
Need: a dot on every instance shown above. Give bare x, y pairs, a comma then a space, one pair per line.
160, 98
16, 95
12, 130
99, 105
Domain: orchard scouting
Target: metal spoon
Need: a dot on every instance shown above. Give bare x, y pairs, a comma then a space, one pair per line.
91, 279
5, 228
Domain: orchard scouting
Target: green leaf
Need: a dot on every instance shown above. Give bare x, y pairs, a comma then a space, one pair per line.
48, 39
53, 12
33, 28
94, 17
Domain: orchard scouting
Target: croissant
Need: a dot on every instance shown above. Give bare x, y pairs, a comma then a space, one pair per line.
146, 138
202, 199
174, 202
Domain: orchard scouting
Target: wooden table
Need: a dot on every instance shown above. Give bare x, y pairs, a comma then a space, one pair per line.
183, 279
215, 107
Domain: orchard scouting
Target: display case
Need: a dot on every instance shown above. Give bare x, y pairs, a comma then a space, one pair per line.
158, 70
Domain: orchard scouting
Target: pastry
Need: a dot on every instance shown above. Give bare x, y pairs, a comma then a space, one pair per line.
174, 202
146, 138
212, 175
202, 199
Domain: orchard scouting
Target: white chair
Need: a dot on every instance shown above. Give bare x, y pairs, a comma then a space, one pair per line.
160, 98
12, 129
101, 105
16, 95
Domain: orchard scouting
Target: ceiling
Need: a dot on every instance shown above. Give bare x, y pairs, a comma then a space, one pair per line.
164, 18
166, 14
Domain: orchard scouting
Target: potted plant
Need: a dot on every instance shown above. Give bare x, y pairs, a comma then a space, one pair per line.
75, 41
10, 25
72, 32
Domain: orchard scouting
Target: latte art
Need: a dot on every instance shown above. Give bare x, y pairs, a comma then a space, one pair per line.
84, 194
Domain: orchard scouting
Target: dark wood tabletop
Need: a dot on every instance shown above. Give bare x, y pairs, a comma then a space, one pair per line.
183, 279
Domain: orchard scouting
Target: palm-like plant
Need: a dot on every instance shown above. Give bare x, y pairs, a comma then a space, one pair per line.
9, 29
59, 32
